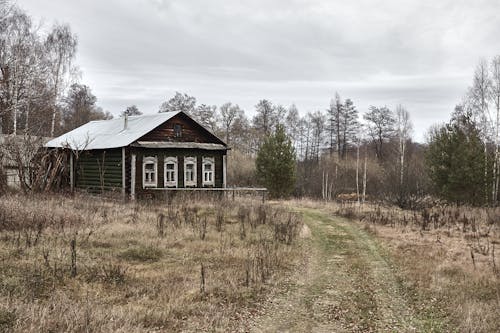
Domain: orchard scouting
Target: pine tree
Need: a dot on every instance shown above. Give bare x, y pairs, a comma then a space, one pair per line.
349, 128
276, 164
455, 161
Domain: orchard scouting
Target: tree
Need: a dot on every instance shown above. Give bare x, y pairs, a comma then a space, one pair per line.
206, 115
334, 113
495, 96
275, 164
265, 119
19, 65
349, 125
80, 107
60, 48
455, 161
292, 123
132, 110
380, 127
403, 132
231, 117
180, 102
317, 123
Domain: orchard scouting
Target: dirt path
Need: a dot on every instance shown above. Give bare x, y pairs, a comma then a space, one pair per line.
345, 285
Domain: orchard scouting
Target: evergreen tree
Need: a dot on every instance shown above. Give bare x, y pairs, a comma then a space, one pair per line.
276, 164
456, 162
349, 126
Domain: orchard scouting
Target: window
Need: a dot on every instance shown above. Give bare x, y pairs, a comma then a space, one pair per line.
170, 169
208, 170
149, 172
177, 130
189, 171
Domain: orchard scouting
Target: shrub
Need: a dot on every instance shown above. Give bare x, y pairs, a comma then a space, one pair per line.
7, 320
143, 253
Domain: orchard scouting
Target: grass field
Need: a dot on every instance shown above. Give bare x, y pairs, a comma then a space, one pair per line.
85, 265
82, 264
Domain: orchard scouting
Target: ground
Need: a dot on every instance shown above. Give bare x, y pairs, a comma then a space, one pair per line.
79, 264
346, 284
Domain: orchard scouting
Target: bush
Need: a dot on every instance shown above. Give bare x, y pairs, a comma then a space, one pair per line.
7, 320
142, 253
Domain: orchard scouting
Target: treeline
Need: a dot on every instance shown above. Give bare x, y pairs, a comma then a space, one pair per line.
39, 90
337, 152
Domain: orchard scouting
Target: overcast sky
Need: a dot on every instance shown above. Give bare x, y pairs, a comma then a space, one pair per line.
418, 53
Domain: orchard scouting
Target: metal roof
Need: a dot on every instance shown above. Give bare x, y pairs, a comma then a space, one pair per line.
105, 134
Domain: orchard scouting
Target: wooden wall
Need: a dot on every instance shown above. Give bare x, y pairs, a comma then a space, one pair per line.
98, 170
160, 154
191, 132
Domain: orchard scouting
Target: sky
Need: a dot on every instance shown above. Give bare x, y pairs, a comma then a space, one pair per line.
417, 53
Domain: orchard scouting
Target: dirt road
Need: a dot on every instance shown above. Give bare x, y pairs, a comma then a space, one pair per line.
346, 284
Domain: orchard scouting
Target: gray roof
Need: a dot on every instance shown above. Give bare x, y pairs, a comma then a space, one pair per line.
105, 134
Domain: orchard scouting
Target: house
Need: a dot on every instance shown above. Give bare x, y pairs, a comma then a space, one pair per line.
139, 155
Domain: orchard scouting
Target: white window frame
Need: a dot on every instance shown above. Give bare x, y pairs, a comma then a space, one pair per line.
172, 183
148, 160
211, 174
190, 160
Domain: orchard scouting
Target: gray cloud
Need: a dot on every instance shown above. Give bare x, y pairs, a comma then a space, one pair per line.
417, 53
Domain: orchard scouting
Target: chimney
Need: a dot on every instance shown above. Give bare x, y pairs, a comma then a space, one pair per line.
125, 122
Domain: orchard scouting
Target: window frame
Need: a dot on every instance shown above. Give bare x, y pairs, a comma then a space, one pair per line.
154, 161
208, 161
170, 160
194, 182
177, 130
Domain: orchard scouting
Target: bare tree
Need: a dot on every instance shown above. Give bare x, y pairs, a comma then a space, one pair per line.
495, 96
229, 113
403, 131
180, 102
265, 119
131, 110
60, 48
479, 94
380, 127
334, 113
206, 115
292, 123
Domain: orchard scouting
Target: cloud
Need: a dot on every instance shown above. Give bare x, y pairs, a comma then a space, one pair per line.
418, 53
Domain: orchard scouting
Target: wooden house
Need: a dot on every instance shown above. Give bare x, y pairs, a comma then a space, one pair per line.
140, 155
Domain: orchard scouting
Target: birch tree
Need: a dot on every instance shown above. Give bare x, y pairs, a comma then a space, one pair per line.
495, 96
403, 131
479, 95
16, 51
60, 48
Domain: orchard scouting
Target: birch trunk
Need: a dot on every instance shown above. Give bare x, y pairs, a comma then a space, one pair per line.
357, 172
364, 176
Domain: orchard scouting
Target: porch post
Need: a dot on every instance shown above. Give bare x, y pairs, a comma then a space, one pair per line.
124, 185
71, 172
132, 177
224, 171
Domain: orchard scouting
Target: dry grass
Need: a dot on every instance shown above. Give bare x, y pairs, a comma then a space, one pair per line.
84, 265
448, 258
